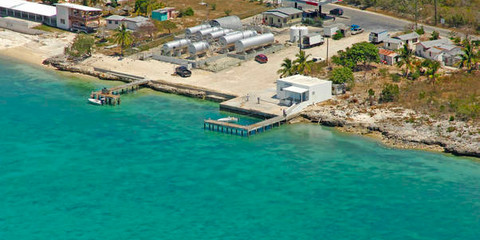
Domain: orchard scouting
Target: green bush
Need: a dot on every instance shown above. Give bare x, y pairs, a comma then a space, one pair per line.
420, 31
187, 12
389, 93
415, 75
317, 22
342, 75
338, 35
395, 77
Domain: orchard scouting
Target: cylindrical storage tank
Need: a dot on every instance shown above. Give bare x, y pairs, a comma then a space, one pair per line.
302, 31
202, 33
193, 30
174, 45
198, 47
232, 22
254, 42
217, 34
294, 33
230, 39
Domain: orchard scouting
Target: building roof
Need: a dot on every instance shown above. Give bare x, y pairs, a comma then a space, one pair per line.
115, 18
377, 31
393, 40
433, 43
386, 52
278, 14
29, 7
409, 36
285, 10
137, 19
164, 10
79, 7
295, 89
303, 80
337, 25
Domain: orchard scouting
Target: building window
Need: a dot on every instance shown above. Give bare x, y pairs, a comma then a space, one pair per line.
313, 93
109, 21
278, 20
62, 21
292, 17
116, 22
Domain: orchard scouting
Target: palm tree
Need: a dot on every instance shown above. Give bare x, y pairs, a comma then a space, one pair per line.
469, 57
302, 64
432, 69
123, 37
406, 57
287, 68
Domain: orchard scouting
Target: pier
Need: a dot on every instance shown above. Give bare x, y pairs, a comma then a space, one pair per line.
111, 96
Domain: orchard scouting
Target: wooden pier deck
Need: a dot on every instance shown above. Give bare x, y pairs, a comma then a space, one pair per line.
111, 96
244, 130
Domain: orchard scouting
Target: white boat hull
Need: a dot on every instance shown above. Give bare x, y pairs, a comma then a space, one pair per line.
228, 119
94, 101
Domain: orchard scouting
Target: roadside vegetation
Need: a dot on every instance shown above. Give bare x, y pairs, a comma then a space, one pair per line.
456, 13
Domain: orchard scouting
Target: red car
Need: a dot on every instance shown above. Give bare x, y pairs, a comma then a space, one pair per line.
261, 58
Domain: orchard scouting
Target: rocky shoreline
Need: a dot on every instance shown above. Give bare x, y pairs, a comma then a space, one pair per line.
397, 127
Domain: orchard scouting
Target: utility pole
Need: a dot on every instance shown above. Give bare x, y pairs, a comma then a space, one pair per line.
416, 14
435, 12
327, 52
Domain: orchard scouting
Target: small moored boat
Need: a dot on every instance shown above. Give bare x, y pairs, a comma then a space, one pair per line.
228, 119
95, 101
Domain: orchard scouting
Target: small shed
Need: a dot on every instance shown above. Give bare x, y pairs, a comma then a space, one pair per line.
230, 22
114, 21
282, 17
392, 44
163, 14
388, 57
299, 88
410, 38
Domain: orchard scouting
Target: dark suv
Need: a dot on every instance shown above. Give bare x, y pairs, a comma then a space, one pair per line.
183, 71
336, 11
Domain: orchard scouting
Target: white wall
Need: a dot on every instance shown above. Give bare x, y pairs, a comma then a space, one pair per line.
62, 13
316, 93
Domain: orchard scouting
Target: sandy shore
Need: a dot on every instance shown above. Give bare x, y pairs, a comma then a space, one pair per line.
33, 49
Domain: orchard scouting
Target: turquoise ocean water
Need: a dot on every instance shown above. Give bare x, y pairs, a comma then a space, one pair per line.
148, 170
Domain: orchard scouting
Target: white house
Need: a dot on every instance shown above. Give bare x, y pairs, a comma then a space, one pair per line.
75, 17
410, 38
392, 44
299, 88
115, 21
442, 50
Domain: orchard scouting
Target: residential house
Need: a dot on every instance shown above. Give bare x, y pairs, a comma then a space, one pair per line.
29, 11
388, 57
282, 17
164, 14
392, 44
442, 50
303, 89
80, 18
115, 21
410, 39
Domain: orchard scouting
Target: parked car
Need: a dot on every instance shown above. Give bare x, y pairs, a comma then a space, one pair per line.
355, 29
336, 11
318, 59
183, 71
261, 58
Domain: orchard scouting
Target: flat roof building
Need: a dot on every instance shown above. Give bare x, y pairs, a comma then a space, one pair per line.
80, 18
298, 89
29, 11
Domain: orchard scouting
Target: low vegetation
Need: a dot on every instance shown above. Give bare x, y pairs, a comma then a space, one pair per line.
301, 65
81, 47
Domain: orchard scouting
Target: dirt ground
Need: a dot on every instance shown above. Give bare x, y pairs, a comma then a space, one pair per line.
248, 77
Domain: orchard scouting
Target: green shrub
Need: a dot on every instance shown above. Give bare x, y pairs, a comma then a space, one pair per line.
415, 75
395, 77
420, 31
452, 118
383, 72
338, 35
389, 93
435, 35
451, 129
187, 12
342, 75
214, 6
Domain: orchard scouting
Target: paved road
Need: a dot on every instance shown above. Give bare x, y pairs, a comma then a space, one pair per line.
371, 21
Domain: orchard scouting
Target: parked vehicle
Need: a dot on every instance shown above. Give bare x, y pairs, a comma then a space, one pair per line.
378, 36
355, 29
183, 71
261, 58
336, 11
312, 40
318, 59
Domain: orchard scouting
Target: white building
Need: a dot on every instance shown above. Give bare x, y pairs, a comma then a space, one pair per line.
303, 89
442, 50
115, 21
392, 44
75, 17
28, 10
410, 38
